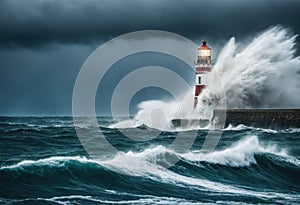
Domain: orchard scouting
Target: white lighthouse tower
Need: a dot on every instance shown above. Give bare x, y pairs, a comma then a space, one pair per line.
203, 67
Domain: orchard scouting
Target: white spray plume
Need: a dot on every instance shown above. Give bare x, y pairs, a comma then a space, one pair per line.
264, 73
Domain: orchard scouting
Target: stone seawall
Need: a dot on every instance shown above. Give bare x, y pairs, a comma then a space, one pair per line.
263, 118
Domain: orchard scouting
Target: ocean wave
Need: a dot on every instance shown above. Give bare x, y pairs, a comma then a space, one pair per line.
133, 168
65, 170
241, 153
56, 161
242, 127
74, 199
149, 165
125, 124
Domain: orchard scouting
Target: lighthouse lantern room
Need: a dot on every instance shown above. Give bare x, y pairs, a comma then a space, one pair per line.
203, 67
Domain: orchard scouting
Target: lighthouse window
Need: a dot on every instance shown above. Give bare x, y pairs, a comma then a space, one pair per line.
199, 80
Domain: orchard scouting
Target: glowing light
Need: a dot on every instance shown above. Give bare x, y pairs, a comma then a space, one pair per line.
204, 53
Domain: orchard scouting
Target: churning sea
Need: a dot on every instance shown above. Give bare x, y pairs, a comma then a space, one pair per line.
43, 162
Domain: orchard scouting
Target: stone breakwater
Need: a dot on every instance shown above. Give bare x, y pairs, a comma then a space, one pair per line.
263, 118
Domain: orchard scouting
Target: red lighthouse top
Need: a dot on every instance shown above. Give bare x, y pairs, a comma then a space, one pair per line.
204, 46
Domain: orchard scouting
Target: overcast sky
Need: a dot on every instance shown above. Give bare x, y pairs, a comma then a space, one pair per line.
43, 43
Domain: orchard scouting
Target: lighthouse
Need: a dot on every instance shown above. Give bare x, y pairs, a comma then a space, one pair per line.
203, 67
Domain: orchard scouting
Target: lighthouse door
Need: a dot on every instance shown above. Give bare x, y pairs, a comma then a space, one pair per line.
198, 79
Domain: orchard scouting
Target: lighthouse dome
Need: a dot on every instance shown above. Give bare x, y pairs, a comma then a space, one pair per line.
204, 50
204, 46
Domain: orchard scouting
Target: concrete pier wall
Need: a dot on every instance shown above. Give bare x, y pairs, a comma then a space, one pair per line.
263, 118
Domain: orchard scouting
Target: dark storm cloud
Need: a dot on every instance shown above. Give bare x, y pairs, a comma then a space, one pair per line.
43, 43
34, 22
39, 81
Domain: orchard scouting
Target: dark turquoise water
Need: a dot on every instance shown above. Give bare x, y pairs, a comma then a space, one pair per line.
43, 162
